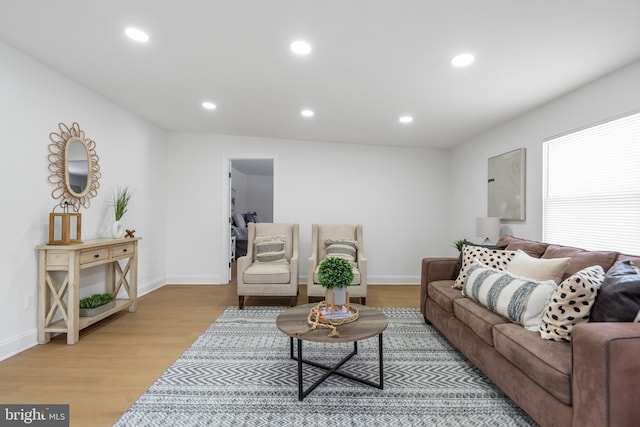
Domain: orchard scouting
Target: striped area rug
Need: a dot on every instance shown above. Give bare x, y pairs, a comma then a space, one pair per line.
238, 373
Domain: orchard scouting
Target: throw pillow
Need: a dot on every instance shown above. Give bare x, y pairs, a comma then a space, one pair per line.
270, 249
571, 303
342, 248
468, 243
494, 258
524, 265
618, 299
249, 217
520, 300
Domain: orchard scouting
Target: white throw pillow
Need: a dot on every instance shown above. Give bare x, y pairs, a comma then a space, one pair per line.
524, 265
519, 299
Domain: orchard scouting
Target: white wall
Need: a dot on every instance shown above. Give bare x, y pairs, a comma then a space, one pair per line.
132, 152
400, 195
611, 96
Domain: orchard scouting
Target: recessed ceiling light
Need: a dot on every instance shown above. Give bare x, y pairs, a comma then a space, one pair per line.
208, 105
307, 113
405, 119
137, 34
300, 47
462, 60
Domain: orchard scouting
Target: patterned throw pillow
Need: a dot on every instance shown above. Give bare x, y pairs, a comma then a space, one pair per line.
342, 248
571, 303
493, 258
270, 249
519, 299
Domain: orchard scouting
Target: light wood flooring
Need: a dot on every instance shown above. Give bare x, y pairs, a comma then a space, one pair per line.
117, 359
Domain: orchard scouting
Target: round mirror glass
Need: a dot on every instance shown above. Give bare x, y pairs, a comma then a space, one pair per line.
77, 166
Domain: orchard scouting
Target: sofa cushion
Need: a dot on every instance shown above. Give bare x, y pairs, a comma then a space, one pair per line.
580, 258
443, 294
478, 318
571, 303
494, 258
618, 299
533, 248
548, 363
524, 265
519, 299
264, 272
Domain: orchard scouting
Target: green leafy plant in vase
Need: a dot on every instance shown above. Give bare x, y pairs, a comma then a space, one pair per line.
335, 275
121, 200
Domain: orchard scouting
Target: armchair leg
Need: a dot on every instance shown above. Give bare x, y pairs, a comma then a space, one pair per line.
241, 301
363, 300
294, 301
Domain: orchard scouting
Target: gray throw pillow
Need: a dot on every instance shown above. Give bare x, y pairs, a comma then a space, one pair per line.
618, 298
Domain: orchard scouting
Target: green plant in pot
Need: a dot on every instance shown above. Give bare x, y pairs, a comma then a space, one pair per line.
335, 275
90, 305
121, 200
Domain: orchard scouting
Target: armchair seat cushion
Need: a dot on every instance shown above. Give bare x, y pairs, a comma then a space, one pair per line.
267, 273
356, 276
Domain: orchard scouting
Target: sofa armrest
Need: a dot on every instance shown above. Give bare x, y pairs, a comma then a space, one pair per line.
434, 269
605, 374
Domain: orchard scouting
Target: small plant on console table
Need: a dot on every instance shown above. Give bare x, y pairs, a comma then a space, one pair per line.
96, 304
120, 205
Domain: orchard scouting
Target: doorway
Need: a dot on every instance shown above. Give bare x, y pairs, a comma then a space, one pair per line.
251, 199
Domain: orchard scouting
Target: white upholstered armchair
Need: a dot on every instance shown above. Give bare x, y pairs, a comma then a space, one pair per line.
323, 236
270, 267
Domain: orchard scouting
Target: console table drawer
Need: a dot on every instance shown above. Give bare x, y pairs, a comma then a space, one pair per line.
87, 257
123, 250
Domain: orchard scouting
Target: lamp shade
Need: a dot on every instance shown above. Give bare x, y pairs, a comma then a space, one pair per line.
488, 228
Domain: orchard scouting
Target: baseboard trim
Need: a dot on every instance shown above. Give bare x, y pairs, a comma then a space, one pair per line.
18, 343
383, 280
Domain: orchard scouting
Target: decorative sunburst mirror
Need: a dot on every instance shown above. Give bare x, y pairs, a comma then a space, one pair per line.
73, 163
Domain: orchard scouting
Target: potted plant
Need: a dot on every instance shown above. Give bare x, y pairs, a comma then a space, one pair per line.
121, 201
335, 275
96, 304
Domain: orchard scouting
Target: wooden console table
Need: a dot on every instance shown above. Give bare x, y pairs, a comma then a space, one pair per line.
71, 259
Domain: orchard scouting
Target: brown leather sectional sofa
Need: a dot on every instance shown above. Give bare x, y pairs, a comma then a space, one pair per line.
592, 381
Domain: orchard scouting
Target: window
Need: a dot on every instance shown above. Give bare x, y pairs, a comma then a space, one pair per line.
591, 187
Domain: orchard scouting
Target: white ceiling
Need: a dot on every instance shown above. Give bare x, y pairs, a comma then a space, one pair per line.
372, 61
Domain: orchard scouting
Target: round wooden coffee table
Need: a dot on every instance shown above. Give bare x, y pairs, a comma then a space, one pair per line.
371, 322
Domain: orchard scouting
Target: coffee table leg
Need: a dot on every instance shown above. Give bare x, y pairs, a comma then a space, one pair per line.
300, 389
380, 360
333, 370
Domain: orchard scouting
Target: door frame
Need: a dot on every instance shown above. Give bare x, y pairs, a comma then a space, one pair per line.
226, 204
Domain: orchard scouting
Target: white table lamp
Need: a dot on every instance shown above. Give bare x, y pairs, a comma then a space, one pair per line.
488, 228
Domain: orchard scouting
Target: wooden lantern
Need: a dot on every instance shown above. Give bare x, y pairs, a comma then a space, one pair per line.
65, 228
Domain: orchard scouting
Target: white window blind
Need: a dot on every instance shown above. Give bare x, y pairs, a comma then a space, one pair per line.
591, 187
